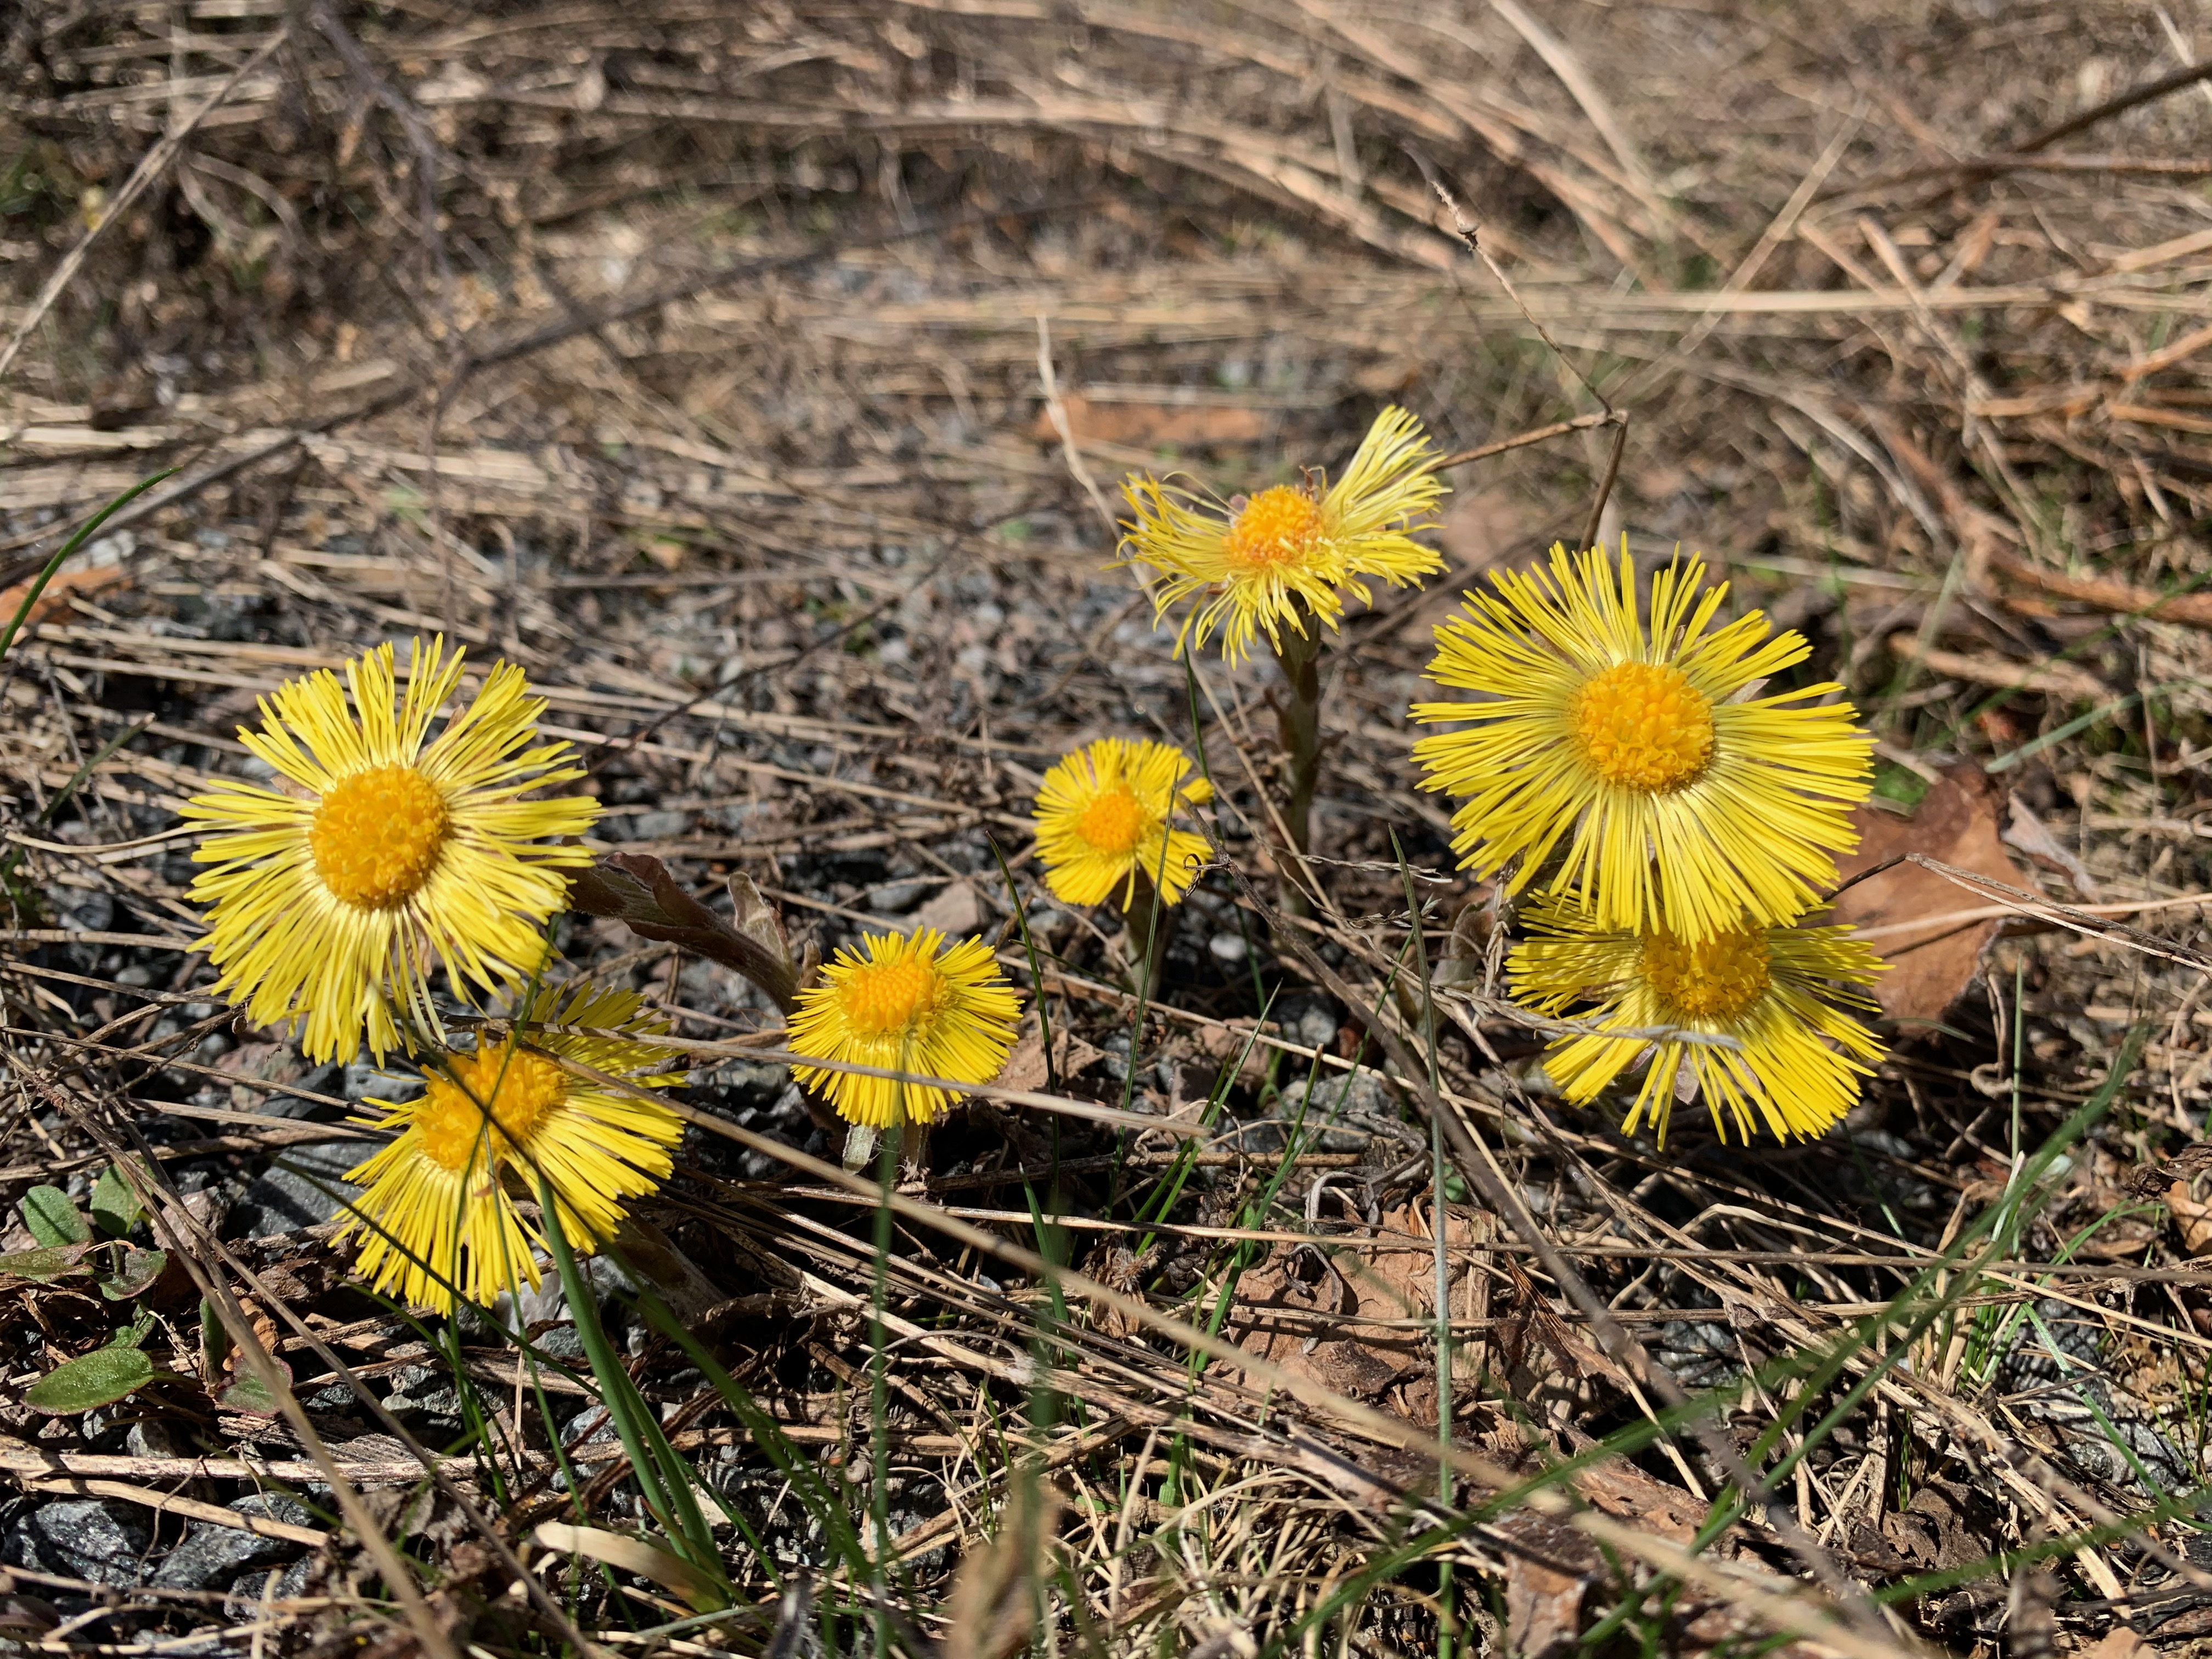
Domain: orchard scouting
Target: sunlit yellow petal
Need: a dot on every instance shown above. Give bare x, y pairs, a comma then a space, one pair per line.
907, 1002
1105, 816
1787, 995
1634, 771
437, 1213
399, 854
1288, 556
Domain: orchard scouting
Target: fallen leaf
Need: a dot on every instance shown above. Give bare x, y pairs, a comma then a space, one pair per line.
1543, 1609
1150, 426
1025, 1066
1296, 1309
2194, 1219
1913, 916
1483, 528
2117, 1642
632, 1555
87, 580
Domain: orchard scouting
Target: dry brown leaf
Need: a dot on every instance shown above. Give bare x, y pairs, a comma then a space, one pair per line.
1482, 528
2193, 1219
1932, 960
1025, 1068
1543, 1607
2029, 836
88, 579
630, 1554
1393, 1280
1150, 426
2117, 1642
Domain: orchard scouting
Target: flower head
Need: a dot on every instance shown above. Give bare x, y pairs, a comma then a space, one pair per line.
1288, 555
904, 1003
1104, 818
1784, 994
437, 1213
396, 854
1681, 807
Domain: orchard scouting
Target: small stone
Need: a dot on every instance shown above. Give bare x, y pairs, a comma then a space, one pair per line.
653, 826
1226, 948
81, 1538
322, 1080
897, 898
1316, 1028
302, 1188
211, 1554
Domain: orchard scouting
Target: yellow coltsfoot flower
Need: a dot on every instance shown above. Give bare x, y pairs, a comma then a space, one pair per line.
1104, 817
1289, 554
437, 1213
905, 1002
1677, 807
397, 854
1788, 995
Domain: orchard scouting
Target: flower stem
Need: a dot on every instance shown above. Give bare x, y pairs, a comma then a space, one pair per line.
1152, 925
1298, 718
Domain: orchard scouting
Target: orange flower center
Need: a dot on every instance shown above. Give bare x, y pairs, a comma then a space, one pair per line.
1643, 726
378, 834
487, 1104
1277, 526
885, 997
1720, 979
1114, 823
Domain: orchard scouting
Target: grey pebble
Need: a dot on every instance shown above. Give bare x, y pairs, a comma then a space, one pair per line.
80, 1538
301, 1188
659, 825
212, 1554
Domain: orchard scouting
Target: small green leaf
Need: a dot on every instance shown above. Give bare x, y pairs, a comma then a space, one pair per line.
46, 1266
115, 1208
247, 1394
135, 1333
99, 1378
53, 1219
134, 1274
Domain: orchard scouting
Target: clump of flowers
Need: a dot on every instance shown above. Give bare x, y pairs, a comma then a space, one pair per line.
1633, 771
1281, 563
438, 1213
910, 1003
394, 852
1675, 827
1789, 996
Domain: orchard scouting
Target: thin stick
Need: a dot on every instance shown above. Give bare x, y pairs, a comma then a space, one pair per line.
1062, 425
1470, 234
